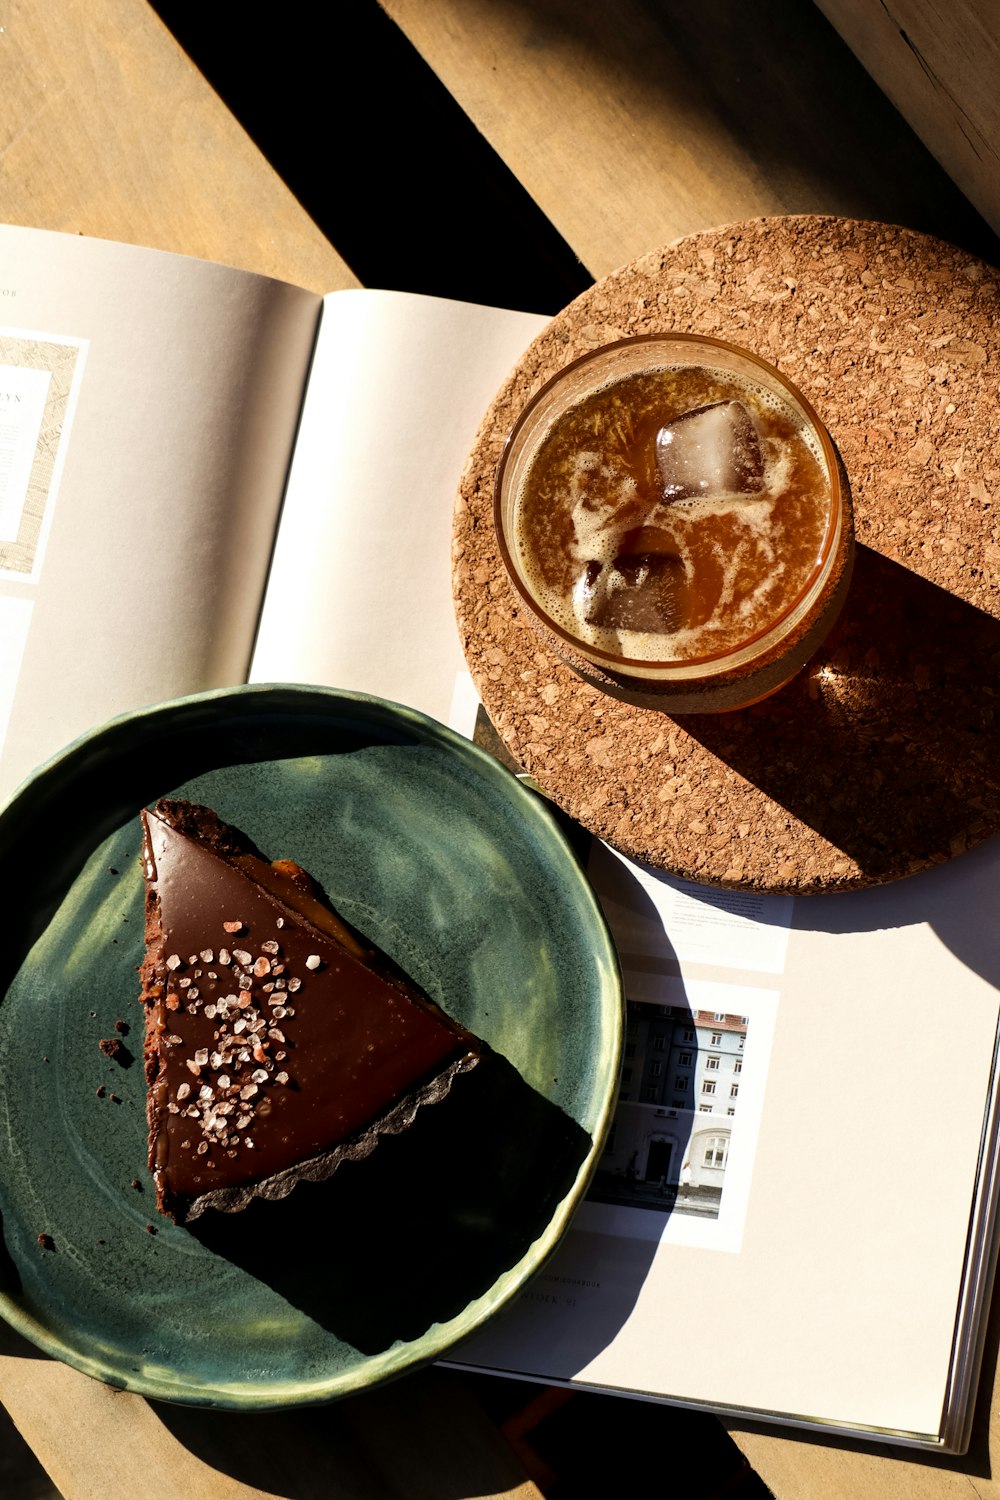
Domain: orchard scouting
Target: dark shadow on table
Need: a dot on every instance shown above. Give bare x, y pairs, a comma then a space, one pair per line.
730, 77
426, 1435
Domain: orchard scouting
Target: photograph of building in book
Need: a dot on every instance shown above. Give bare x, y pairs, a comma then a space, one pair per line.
668, 1144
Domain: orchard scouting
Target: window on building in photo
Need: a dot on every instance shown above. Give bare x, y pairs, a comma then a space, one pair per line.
716, 1148
708, 1087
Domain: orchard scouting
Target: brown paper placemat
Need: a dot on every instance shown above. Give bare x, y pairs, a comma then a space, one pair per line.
883, 756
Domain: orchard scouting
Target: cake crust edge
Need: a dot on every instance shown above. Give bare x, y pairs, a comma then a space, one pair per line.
225, 840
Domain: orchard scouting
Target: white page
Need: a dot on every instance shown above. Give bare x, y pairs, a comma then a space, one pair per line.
359, 596
839, 1305
145, 482
725, 929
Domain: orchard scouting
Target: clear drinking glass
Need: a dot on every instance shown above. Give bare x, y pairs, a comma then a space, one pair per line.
668, 552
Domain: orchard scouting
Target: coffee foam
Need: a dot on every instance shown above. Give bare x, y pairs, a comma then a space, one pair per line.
598, 533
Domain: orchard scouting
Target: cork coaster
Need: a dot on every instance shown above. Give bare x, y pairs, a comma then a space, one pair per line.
883, 756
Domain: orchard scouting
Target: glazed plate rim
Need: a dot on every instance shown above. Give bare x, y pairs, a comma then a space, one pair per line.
440, 1338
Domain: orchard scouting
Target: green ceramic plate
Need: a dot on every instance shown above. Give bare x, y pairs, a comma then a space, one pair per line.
461, 875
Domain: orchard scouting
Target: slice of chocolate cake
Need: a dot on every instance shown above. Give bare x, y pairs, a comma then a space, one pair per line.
277, 1044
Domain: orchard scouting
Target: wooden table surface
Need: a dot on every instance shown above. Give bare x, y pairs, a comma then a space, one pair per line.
629, 123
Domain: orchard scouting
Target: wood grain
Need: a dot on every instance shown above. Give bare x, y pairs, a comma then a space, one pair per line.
633, 124
939, 63
107, 129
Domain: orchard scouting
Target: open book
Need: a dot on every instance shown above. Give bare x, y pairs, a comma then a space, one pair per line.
157, 415
208, 477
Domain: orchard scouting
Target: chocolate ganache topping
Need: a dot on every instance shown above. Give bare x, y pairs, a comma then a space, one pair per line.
277, 1043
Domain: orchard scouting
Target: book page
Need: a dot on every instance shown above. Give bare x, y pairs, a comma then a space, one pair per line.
804, 1260
148, 404
359, 596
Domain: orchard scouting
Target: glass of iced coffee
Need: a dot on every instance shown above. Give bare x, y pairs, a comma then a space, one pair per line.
676, 519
